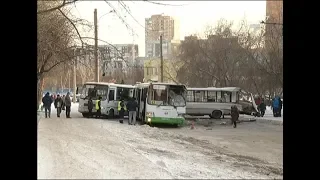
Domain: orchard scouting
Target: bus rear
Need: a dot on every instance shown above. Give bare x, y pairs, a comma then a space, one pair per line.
93, 91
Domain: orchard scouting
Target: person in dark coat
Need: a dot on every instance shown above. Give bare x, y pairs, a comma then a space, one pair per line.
234, 115
280, 107
90, 107
262, 108
132, 106
58, 104
47, 101
67, 102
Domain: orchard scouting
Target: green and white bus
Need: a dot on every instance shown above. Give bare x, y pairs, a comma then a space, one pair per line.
161, 103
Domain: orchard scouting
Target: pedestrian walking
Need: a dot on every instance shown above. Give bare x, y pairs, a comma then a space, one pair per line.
280, 106
132, 106
121, 109
234, 115
262, 108
63, 104
58, 103
67, 102
47, 101
276, 106
98, 107
90, 107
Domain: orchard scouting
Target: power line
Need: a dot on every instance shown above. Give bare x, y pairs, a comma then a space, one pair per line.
128, 11
163, 4
121, 18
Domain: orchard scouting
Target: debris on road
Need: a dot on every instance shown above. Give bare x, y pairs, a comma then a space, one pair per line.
223, 123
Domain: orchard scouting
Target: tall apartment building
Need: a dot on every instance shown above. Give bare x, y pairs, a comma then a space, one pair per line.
111, 58
274, 11
274, 26
156, 25
118, 57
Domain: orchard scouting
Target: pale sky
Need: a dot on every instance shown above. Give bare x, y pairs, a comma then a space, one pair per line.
193, 17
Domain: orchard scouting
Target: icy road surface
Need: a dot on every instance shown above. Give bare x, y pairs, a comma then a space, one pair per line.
104, 149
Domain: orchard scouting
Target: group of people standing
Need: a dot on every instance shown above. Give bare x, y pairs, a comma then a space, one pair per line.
97, 107
60, 103
131, 107
276, 106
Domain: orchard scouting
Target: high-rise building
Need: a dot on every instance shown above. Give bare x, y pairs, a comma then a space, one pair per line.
157, 25
274, 22
274, 11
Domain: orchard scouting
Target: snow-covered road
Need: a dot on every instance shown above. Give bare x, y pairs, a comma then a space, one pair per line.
104, 149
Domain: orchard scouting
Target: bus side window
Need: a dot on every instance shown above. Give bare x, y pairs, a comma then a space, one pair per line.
212, 96
85, 92
111, 95
119, 93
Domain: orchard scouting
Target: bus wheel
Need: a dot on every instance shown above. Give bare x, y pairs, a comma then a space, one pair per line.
111, 114
216, 114
85, 115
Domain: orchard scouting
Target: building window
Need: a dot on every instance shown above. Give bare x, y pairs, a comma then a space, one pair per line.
148, 71
155, 71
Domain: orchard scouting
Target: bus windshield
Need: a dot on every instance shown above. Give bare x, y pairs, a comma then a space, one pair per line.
167, 95
95, 91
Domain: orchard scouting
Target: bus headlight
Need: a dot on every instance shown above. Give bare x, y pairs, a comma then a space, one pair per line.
149, 119
149, 114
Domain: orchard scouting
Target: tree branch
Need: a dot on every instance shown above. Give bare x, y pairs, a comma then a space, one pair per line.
64, 3
74, 26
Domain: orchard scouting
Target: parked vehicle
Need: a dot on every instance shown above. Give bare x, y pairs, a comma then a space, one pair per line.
212, 101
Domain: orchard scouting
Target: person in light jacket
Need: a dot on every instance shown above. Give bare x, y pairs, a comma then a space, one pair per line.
121, 109
98, 107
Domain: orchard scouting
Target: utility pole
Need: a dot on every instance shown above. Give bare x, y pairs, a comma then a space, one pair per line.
69, 79
96, 45
161, 58
133, 68
74, 79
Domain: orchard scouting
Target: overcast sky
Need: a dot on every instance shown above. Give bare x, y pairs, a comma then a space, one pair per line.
193, 16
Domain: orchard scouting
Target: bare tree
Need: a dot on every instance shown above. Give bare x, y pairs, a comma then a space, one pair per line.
55, 35
233, 57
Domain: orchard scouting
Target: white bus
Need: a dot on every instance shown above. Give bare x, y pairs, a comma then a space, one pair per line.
111, 94
215, 102
163, 103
